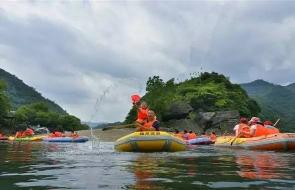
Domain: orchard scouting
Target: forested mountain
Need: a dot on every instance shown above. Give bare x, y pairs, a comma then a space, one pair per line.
31, 108
21, 94
276, 101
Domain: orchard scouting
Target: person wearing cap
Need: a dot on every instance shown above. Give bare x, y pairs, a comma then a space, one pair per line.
242, 129
270, 128
257, 128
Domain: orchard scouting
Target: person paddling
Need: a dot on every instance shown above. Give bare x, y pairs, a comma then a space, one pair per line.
151, 124
242, 129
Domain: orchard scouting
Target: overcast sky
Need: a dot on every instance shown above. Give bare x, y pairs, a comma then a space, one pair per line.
75, 53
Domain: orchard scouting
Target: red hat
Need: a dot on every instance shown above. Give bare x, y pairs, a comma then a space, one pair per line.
243, 120
267, 122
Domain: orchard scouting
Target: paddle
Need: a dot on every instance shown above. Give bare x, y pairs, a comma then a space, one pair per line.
135, 98
276, 122
235, 139
118, 127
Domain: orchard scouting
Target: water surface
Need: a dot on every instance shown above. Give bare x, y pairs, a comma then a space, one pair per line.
94, 165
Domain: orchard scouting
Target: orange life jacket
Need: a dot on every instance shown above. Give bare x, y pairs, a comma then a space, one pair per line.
272, 130
142, 113
19, 134
260, 131
179, 135
149, 124
57, 134
192, 136
213, 137
29, 132
244, 129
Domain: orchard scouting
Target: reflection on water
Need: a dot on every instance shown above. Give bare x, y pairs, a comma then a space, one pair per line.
84, 166
261, 165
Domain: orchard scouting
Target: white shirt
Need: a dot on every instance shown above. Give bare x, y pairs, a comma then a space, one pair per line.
253, 127
236, 127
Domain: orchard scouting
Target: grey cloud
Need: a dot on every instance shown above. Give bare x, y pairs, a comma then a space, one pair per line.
119, 45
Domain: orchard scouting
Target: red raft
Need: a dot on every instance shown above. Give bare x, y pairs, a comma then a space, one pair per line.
275, 142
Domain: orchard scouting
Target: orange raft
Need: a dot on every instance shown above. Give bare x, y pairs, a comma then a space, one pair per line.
275, 142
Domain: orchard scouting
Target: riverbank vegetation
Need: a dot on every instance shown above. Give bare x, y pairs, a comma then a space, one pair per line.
34, 114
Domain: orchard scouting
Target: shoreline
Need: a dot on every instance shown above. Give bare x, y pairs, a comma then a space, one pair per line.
108, 135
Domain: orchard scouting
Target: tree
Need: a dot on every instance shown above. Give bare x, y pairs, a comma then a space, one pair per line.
39, 114
154, 83
4, 103
70, 123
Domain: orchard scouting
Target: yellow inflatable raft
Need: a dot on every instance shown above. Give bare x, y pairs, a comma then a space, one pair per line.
27, 139
275, 142
150, 141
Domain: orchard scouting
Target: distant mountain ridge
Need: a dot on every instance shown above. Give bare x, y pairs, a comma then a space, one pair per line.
21, 94
276, 101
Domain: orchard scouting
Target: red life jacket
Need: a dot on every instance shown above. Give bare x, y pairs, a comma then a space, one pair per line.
58, 134
260, 131
19, 134
192, 136
142, 114
29, 132
272, 130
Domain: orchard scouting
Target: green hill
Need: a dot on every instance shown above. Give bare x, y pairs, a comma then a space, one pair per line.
209, 92
276, 101
21, 94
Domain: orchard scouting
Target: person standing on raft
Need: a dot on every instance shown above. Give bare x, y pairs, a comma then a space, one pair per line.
142, 113
151, 124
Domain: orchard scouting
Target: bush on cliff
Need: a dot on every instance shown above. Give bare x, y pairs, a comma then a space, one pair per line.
207, 92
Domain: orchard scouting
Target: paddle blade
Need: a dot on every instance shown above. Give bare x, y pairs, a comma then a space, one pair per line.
135, 98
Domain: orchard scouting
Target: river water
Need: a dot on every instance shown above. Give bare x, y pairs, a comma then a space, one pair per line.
95, 165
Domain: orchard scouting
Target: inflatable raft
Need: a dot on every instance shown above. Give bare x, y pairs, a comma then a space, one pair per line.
66, 139
27, 139
150, 141
3, 138
200, 141
275, 142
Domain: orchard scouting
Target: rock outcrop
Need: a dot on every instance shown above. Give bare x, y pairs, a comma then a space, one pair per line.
220, 121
